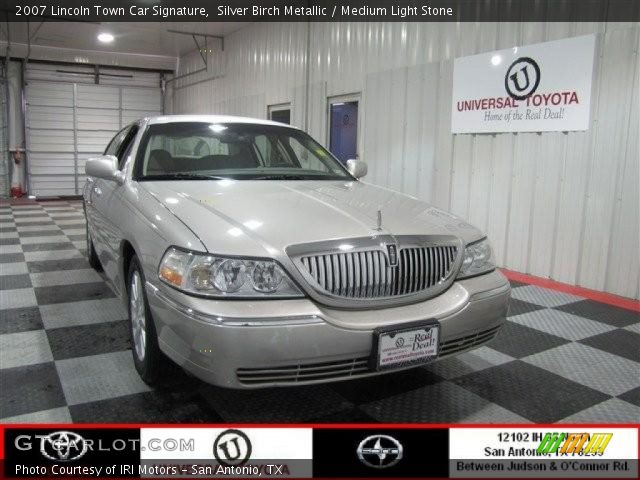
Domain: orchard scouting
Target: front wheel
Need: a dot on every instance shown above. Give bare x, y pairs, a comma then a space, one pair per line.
147, 357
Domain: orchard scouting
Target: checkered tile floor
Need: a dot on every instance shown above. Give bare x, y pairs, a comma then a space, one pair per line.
65, 355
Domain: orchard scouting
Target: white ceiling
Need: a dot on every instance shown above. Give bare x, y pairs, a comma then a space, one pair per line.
145, 38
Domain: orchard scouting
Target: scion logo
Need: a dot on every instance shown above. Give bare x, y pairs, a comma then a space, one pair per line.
63, 446
380, 451
232, 448
522, 78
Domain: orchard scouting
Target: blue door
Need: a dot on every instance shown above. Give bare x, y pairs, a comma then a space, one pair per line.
343, 136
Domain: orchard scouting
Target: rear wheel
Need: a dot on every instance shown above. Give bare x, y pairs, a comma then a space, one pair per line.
147, 357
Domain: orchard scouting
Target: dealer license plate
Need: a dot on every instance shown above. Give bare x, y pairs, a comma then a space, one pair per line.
413, 344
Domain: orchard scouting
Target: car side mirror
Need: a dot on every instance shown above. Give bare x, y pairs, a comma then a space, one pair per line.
105, 167
357, 168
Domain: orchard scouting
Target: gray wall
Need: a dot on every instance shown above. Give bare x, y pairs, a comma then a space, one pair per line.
557, 205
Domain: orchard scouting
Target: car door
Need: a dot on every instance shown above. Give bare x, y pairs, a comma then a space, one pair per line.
92, 192
106, 199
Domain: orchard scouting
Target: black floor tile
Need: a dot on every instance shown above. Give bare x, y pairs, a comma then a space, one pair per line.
366, 390
518, 307
10, 282
71, 342
274, 405
632, 396
73, 226
531, 392
67, 216
42, 233
9, 241
34, 224
350, 415
76, 238
57, 265
72, 293
619, 342
157, 406
20, 320
511, 340
30, 389
47, 247
4, 229
11, 257
601, 312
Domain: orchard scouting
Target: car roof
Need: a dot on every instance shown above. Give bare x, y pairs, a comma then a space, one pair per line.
213, 119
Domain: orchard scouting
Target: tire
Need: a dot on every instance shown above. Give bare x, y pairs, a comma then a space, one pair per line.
92, 256
147, 356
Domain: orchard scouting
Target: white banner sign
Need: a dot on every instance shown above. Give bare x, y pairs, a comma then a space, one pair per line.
535, 88
226, 452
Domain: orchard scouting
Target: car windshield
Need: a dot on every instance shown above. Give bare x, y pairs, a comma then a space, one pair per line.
241, 151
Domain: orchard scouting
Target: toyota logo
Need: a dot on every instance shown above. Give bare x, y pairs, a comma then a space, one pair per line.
232, 448
63, 446
380, 451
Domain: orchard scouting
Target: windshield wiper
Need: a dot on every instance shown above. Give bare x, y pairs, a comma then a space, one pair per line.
184, 176
281, 177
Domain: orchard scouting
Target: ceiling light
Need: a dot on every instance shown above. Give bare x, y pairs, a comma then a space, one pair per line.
105, 37
496, 60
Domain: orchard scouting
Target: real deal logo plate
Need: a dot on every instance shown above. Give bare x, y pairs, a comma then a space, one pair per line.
408, 346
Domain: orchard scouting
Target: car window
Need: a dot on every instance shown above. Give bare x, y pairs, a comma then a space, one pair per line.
308, 157
125, 148
273, 153
193, 150
116, 141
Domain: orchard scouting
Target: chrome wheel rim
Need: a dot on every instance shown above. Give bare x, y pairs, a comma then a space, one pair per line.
138, 318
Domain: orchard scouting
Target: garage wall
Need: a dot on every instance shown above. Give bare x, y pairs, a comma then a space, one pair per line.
557, 205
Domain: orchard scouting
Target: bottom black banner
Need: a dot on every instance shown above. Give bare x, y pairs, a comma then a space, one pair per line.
380, 453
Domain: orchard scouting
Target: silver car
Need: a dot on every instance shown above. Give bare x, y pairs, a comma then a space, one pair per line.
249, 255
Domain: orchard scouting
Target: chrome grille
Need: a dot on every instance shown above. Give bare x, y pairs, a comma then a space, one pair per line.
368, 274
301, 373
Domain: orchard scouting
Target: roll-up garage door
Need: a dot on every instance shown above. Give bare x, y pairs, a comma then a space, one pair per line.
71, 118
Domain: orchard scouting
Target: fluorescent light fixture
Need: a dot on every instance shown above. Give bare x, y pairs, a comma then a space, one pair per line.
105, 37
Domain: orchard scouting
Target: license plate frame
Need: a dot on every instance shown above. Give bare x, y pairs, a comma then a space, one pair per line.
379, 363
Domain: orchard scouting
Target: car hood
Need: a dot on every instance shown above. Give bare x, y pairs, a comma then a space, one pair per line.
258, 217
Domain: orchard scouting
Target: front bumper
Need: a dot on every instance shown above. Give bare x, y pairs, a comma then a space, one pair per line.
263, 343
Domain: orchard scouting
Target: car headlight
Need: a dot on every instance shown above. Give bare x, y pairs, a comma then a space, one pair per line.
219, 276
478, 259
